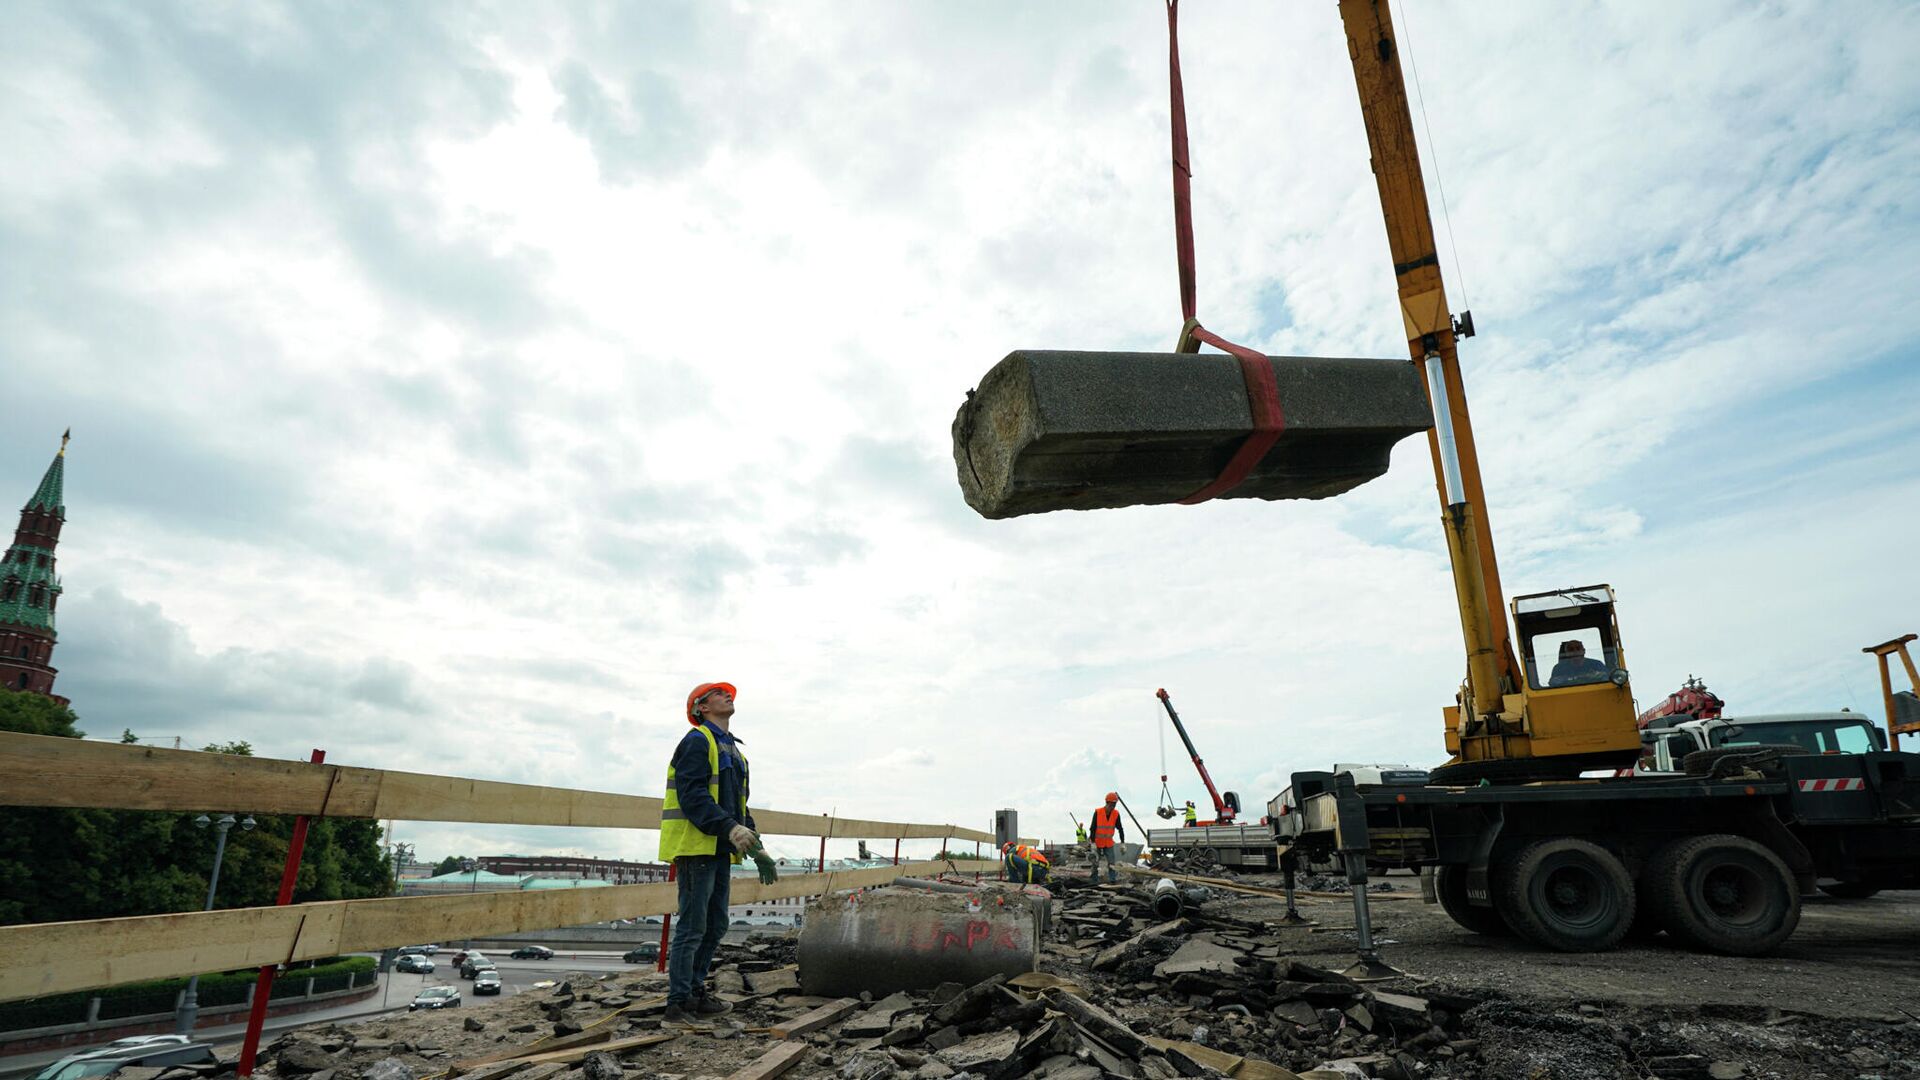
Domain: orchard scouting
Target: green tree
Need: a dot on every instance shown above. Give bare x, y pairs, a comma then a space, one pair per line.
59, 864
448, 865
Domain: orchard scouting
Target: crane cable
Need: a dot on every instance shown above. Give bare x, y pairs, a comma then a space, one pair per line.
1263, 391
1166, 808
1433, 150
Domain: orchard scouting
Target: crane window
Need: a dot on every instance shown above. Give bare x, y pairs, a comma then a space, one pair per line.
1569, 656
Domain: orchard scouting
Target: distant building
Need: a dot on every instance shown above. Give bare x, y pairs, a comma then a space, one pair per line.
479, 881
611, 871
29, 588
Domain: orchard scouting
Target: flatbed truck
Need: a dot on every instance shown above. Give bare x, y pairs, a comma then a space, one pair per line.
1720, 862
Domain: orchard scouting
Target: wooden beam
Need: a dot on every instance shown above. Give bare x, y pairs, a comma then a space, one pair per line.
52, 958
772, 1063
575, 1053
43, 770
815, 1020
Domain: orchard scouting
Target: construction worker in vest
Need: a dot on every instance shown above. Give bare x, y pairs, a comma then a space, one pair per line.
1106, 830
705, 828
1193, 816
1025, 863
1079, 833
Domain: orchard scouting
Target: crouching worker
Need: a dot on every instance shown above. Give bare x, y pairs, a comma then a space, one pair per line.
705, 828
1025, 863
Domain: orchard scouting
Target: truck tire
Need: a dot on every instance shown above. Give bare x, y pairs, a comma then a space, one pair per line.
1701, 762
1450, 886
1849, 890
1724, 894
1567, 894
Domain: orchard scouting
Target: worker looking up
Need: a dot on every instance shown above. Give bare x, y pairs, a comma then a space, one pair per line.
1193, 816
1025, 863
1575, 668
1106, 829
705, 828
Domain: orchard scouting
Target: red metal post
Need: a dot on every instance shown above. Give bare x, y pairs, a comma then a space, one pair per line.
666, 922
263, 986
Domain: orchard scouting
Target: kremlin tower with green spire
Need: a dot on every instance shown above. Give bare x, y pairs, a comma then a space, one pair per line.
30, 590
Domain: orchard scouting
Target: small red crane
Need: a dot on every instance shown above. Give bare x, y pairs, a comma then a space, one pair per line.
1224, 808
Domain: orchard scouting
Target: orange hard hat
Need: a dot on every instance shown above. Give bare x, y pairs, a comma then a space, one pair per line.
703, 690
1113, 796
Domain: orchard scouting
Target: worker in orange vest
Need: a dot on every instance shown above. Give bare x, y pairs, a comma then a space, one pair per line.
1107, 829
1025, 863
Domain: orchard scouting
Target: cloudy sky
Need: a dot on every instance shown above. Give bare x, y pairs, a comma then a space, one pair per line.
454, 386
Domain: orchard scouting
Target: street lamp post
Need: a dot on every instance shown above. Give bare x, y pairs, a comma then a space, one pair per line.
473, 882
190, 1001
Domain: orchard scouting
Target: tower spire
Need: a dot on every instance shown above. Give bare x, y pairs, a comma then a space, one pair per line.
30, 587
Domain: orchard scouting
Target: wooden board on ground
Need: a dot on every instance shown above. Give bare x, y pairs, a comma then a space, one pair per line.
615, 1046
773, 1062
540, 1046
816, 1019
1240, 1068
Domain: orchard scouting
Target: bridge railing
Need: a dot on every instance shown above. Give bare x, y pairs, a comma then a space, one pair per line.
50, 958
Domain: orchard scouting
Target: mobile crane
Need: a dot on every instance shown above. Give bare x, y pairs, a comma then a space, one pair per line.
1518, 843
1718, 860
1224, 807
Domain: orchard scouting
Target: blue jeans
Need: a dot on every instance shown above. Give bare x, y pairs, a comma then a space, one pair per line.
705, 882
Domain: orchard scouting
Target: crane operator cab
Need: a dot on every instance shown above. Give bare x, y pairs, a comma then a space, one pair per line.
1569, 638
1578, 703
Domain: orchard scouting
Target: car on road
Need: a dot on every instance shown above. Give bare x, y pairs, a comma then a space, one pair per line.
417, 963
418, 950
475, 965
486, 981
531, 952
436, 997
144, 1051
644, 954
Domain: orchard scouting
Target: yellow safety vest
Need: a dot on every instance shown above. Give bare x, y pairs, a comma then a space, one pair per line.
678, 836
1192, 815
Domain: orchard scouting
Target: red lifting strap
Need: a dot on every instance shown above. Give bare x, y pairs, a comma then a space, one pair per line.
1263, 393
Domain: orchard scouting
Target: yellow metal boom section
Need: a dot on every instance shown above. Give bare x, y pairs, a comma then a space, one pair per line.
1375, 52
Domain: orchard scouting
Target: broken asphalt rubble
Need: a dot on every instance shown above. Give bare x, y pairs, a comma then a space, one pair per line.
1118, 993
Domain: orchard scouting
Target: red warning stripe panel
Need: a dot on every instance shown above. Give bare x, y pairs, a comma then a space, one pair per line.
1853, 783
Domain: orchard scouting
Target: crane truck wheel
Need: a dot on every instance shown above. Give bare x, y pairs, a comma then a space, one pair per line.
1567, 894
1450, 884
1723, 893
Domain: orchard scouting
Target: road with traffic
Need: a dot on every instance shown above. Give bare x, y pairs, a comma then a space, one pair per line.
397, 990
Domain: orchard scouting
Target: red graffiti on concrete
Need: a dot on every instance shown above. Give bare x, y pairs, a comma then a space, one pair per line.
976, 935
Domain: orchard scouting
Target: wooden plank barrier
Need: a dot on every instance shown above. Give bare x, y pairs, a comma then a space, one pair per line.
54, 958
43, 770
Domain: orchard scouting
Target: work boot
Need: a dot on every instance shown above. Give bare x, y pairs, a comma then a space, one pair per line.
706, 1006
676, 1014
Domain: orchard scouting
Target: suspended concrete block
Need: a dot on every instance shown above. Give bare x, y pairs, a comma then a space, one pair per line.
1088, 430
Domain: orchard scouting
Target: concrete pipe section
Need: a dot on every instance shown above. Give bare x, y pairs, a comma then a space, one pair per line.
1087, 430
898, 938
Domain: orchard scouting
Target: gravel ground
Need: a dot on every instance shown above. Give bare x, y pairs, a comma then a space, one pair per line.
1848, 959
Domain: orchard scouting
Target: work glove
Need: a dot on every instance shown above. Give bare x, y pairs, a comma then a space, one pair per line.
764, 862
742, 838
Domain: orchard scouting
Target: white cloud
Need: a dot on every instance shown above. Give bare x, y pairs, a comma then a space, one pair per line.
562, 358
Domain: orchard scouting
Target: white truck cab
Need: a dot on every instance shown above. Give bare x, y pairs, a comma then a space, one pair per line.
1665, 745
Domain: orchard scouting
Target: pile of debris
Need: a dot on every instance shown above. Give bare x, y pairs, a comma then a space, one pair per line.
1218, 990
